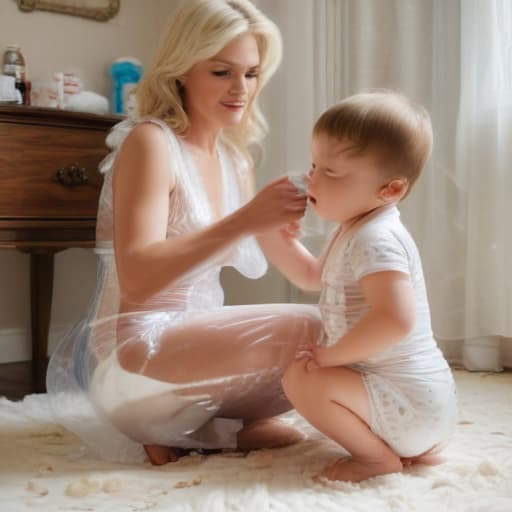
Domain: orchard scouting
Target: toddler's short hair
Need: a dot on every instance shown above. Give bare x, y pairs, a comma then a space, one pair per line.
396, 130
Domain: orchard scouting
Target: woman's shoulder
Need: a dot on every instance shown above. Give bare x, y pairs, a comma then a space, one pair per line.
138, 136
147, 134
144, 146
140, 129
144, 153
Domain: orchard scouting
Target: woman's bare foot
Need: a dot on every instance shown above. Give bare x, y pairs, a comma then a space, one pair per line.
159, 455
267, 433
354, 470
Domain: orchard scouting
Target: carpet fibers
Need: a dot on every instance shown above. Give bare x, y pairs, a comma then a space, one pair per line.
45, 468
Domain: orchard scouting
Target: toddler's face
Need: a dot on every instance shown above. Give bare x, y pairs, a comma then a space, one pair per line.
342, 186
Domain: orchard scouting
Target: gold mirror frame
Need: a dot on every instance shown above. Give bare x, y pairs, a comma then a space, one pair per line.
87, 9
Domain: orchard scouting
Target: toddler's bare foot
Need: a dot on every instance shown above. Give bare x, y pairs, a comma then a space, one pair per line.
428, 459
357, 470
267, 433
159, 455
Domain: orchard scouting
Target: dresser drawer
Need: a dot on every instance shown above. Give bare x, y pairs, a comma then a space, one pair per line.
49, 172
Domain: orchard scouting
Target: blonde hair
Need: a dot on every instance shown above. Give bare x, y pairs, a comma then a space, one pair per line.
198, 31
395, 129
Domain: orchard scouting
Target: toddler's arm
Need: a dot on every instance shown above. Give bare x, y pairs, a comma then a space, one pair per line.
292, 259
391, 317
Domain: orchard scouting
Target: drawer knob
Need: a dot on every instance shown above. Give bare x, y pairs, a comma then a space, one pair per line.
72, 175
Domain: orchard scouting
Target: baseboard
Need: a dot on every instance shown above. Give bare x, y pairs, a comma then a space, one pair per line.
507, 355
452, 350
14, 345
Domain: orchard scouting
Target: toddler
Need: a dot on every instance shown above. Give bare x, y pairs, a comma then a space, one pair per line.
377, 384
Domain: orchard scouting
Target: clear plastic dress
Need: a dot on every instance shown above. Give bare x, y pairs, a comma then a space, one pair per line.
181, 369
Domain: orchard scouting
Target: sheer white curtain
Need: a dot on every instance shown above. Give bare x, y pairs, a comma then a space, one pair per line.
483, 162
455, 57
460, 213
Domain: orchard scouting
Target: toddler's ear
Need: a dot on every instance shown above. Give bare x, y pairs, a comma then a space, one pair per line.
394, 190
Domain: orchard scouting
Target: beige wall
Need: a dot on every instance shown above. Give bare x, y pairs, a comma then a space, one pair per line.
55, 42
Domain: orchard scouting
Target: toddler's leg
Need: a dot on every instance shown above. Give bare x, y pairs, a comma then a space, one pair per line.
431, 457
335, 401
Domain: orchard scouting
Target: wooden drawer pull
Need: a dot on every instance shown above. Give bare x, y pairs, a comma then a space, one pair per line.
72, 175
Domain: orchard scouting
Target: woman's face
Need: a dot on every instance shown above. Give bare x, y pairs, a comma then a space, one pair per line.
219, 90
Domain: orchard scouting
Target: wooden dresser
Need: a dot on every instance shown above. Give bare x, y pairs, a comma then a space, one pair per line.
49, 189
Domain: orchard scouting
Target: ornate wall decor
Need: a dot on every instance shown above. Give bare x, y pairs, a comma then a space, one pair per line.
99, 10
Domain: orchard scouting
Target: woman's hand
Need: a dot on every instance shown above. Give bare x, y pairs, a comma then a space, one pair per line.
278, 204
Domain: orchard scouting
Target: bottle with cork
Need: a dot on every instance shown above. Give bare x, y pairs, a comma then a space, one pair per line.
14, 65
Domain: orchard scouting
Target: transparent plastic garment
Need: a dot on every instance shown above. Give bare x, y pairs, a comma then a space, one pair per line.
181, 369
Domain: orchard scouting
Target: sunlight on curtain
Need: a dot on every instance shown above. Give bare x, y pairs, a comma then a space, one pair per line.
465, 242
455, 57
484, 155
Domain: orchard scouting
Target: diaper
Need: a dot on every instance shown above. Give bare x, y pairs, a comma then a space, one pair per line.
412, 416
151, 411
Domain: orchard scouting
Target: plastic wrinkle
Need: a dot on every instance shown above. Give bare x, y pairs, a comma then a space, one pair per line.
180, 369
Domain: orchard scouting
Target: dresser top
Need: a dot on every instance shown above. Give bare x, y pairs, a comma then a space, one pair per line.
21, 114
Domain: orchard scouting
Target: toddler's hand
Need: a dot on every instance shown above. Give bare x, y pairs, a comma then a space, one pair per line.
311, 364
306, 353
291, 231
323, 356
319, 356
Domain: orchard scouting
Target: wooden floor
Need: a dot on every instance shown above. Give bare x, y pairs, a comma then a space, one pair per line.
15, 380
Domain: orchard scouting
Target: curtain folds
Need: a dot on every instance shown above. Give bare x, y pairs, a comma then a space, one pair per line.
484, 156
455, 57
464, 238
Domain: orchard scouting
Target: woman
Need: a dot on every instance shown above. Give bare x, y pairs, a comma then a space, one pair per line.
159, 361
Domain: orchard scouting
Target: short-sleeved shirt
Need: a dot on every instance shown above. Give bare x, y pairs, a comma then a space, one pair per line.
380, 242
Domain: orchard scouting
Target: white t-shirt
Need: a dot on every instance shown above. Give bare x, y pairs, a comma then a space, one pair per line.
380, 242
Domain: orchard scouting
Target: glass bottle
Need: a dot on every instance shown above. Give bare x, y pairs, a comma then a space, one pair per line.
14, 65
14, 62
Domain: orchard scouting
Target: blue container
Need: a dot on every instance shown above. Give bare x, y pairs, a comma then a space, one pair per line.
126, 73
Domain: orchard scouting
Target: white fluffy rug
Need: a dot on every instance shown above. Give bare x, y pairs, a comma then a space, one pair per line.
44, 468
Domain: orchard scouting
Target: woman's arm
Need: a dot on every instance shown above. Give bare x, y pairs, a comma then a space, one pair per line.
146, 261
287, 254
392, 316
